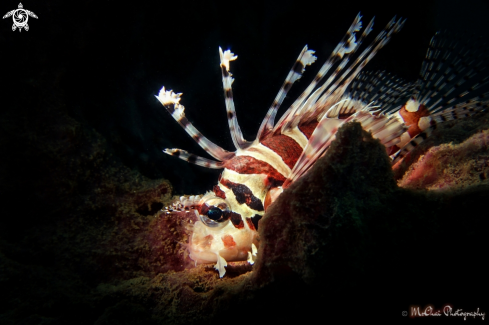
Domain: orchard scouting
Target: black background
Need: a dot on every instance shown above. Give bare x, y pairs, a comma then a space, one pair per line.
110, 59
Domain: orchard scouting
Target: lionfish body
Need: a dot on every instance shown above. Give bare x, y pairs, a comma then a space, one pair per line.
257, 172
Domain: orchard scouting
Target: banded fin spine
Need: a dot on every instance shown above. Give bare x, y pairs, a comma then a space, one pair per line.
346, 45
193, 159
345, 80
402, 153
227, 81
450, 72
322, 98
449, 114
171, 101
305, 58
325, 96
386, 90
318, 142
386, 129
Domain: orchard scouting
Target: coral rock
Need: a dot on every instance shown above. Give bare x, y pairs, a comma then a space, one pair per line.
451, 166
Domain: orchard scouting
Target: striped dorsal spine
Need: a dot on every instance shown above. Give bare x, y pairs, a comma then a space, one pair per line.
397, 113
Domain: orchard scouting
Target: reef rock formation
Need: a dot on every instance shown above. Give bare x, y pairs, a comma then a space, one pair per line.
341, 233
450, 166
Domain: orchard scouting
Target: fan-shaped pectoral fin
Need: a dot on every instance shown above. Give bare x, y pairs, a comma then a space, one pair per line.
193, 159
171, 101
227, 81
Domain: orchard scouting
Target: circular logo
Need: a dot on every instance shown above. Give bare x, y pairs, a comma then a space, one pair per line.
20, 18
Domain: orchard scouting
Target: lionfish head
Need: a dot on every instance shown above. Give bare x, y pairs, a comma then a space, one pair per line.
217, 231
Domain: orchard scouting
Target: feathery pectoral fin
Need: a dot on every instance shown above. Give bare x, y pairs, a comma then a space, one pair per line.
457, 112
193, 159
305, 58
227, 81
171, 101
345, 48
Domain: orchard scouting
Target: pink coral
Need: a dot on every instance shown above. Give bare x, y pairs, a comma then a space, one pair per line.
451, 166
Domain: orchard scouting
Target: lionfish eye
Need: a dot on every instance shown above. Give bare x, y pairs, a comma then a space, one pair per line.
214, 213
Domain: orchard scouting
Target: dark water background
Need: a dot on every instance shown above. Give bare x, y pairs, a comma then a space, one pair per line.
109, 60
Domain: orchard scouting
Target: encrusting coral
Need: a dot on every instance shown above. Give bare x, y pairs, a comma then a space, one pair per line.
450, 166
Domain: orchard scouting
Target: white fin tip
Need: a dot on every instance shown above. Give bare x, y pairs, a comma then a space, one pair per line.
168, 97
308, 58
226, 57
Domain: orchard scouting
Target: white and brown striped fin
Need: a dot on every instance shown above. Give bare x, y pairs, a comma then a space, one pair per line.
457, 112
387, 92
453, 68
461, 110
382, 88
171, 101
193, 159
399, 155
387, 129
315, 107
347, 77
329, 94
227, 81
453, 84
309, 109
346, 45
305, 58
319, 141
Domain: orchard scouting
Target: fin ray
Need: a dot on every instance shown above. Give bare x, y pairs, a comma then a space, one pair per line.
305, 58
171, 101
193, 159
227, 81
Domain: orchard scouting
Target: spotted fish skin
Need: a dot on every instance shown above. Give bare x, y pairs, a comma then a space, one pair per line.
398, 113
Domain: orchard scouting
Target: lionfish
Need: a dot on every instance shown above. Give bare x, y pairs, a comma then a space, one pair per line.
399, 114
